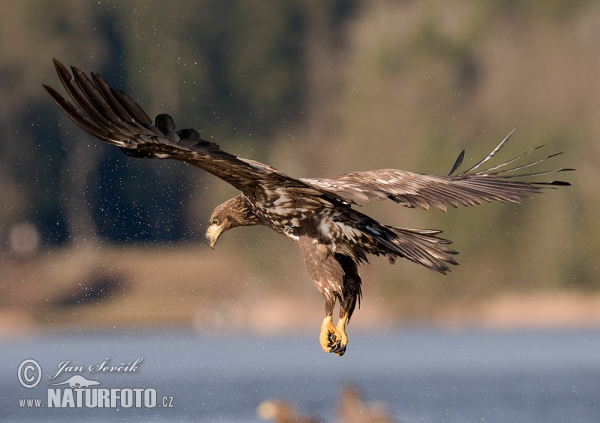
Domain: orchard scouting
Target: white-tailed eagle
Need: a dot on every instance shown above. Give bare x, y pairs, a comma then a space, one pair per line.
334, 238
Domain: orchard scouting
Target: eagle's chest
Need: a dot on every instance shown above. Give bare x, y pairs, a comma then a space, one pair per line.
287, 221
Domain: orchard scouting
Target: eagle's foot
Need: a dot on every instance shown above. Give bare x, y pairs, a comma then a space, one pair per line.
331, 339
341, 329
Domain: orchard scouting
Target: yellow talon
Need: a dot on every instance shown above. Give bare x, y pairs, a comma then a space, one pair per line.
341, 328
329, 335
334, 339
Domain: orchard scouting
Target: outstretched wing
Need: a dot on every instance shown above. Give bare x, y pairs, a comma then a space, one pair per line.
112, 116
468, 188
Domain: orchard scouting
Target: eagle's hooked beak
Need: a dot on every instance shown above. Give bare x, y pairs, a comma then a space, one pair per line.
212, 234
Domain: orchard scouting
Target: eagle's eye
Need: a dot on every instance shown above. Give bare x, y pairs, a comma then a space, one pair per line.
214, 222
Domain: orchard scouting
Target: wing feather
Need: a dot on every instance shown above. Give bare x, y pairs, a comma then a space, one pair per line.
114, 117
468, 188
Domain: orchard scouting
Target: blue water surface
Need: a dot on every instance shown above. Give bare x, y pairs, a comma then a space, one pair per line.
424, 375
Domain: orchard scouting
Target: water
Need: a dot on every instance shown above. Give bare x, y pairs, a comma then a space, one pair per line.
423, 375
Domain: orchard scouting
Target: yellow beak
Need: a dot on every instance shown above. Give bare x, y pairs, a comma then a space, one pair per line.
212, 235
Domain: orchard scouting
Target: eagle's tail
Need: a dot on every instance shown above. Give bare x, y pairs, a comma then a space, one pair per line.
420, 246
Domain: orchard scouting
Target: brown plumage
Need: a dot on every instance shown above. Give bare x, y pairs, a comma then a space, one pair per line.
334, 238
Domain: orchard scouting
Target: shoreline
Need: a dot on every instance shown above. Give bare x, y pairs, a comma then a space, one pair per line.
278, 315
181, 286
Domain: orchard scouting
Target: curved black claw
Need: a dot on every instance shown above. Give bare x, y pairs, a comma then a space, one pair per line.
336, 345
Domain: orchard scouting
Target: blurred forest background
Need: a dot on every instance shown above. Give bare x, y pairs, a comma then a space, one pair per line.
90, 237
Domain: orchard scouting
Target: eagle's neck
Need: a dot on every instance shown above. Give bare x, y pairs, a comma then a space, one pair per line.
241, 212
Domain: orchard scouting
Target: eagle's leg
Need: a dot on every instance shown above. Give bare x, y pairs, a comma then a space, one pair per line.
350, 297
336, 277
334, 338
345, 313
330, 337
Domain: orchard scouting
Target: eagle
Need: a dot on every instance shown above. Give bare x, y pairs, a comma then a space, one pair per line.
319, 214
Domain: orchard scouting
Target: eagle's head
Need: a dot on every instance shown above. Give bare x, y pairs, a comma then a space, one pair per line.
230, 214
